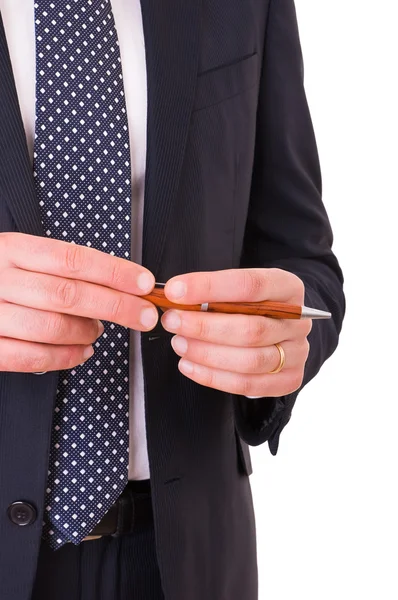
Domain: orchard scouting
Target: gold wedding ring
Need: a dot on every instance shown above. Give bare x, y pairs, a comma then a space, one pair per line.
281, 362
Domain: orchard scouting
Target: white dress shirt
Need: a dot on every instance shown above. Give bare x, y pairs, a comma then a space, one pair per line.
18, 19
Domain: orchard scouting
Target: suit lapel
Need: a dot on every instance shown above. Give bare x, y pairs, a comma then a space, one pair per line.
16, 178
171, 30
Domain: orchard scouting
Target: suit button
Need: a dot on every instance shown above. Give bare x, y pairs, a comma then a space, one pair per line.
22, 513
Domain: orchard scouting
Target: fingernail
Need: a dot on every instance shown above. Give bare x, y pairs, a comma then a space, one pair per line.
171, 320
87, 352
101, 328
179, 344
148, 318
145, 282
177, 289
186, 366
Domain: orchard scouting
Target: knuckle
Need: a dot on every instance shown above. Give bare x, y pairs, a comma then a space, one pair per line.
115, 275
92, 331
294, 382
298, 379
306, 349
252, 283
209, 378
54, 328
74, 258
24, 321
307, 326
257, 362
42, 363
37, 361
65, 293
202, 328
245, 385
274, 276
115, 307
310, 326
220, 360
205, 356
299, 286
206, 284
70, 357
25, 358
254, 330
300, 329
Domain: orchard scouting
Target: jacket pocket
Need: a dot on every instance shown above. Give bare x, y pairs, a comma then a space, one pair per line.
225, 82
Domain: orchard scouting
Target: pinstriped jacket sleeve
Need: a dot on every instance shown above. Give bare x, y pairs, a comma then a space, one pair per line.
287, 225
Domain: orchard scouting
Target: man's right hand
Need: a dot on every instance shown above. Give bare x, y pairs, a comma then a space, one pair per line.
52, 295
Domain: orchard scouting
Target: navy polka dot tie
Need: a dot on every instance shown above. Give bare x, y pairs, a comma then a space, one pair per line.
82, 174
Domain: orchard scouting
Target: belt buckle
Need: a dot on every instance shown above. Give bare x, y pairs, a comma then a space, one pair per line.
89, 538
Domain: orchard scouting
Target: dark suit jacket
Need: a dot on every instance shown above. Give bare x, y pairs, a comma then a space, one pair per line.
232, 181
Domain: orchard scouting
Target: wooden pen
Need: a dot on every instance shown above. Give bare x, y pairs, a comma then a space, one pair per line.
274, 310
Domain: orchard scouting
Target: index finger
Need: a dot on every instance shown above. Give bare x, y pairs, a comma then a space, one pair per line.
65, 259
235, 285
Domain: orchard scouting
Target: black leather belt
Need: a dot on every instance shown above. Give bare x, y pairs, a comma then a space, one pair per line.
132, 509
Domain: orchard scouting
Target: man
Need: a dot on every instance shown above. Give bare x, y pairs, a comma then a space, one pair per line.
172, 145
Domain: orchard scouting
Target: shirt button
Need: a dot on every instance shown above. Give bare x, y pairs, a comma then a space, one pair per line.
22, 513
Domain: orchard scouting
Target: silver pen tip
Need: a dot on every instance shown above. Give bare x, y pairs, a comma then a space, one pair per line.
314, 313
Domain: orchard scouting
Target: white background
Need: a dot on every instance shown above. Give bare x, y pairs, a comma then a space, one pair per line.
327, 504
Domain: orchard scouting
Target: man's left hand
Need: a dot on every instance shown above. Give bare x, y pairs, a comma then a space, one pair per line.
235, 353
